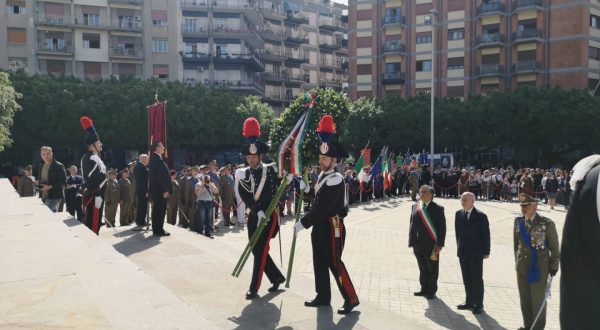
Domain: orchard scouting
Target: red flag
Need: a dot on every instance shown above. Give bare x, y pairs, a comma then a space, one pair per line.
157, 123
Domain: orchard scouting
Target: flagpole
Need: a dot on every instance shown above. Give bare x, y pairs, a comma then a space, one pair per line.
433, 14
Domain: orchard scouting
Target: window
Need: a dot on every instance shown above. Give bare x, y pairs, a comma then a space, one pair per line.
427, 19
424, 39
594, 53
189, 25
424, 66
393, 12
91, 19
392, 67
91, 41
160, 45
456, 34
159, 18
160, 71
456, 63
17, 36
595, 21
16, 7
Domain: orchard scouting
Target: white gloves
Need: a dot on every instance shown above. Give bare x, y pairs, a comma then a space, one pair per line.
261, 215
298, 227
304, 187
289, 178
97, 202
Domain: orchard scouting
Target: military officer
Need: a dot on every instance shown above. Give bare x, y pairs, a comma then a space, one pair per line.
93, 171
257, 188
327, 219
173, 199
26, 185
184, 200
112, 196
125, 198
537, 256
132, 200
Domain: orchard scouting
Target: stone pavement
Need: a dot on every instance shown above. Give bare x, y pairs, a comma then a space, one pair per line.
193, 274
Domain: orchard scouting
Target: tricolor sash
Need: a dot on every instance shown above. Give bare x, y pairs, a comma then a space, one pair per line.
427, 222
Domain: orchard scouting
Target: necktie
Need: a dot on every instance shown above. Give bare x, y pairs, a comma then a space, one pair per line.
467, 215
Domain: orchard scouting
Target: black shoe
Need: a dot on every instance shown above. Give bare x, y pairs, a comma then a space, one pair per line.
464, 307
211, 236
164, 233
419, 294
347, 308
251, 295
316, 303
477, 310
276, 285
430, 296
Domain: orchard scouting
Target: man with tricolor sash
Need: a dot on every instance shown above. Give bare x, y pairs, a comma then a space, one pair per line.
257, 187
427, 236
326, 217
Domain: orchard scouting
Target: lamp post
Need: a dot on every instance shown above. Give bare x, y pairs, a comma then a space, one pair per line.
433, 14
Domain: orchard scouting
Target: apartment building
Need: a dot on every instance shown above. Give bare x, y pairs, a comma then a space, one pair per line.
480, 46
271, 48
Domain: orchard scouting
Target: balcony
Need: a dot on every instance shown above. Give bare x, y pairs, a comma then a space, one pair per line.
295, 37
393, 78
270, 34
488, 70
527, 4
330, 43
249, 60
45, 19
234, 32
393, 47
274, 97
275, 55
329, 63
272, 77
397, 20
295, 57
194, 5
490, 39
491, 8
526, 67
126, 2
331, 83
195, 57
92, 22
129, 53
295, 18
273, 13
127, 25
331, 24
527, 35
235, 6
194, 30
295, 78
247, 86
55, 49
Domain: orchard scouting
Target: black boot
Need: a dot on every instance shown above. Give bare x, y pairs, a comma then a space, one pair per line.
347, 308
316, 303
251, 294
276, 285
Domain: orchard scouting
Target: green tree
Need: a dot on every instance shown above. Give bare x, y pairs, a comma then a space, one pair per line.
252, 106
8, 108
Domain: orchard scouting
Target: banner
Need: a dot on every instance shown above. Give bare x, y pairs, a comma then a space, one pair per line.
366, 154
157, 123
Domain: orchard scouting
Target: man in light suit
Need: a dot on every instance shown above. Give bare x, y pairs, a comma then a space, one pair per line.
473, 245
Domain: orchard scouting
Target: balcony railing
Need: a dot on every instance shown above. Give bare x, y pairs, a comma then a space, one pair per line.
296, 37
393, 77
129, 2
490, 38
195, 57
270, 12
274, 96
393, 46
194, 29
330, 43
394, 20
527, 3
293, 17
272, 34
131, 25
490, 70
296, 56
194, 4
52, 48
92, 22
53, 19
239, 85
250, 60
126, 52
331, 24
491, 7
273, 76
525, 66
527, 34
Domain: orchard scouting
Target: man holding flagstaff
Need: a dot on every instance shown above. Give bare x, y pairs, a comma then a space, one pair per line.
327, 219
426, 236
257, 188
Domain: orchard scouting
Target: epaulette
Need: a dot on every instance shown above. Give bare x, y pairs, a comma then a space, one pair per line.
335, 179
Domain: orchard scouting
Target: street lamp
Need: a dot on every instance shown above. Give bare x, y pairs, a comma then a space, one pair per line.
433, 14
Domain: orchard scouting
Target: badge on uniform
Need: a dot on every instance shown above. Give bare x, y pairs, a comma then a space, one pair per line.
324, 148
252, 148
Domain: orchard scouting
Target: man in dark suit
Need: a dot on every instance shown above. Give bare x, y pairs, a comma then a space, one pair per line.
426, 236
159, 187
473, 245
140, 173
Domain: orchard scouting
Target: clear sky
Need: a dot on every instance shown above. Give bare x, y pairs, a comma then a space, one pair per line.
342, 1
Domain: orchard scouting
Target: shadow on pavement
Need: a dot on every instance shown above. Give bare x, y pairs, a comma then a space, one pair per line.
261, 313
487, 322
325, 319
136, 243
441, 314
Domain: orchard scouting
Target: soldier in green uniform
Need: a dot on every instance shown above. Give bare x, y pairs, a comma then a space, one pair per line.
125, 198
111, 196
537, 255
132, 200
26, 185
173, 199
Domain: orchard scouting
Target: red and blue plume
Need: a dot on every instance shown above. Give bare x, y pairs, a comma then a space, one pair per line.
251, 130
87, 124
326, 128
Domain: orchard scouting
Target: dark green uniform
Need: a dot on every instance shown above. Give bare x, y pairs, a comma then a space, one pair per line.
544, 239
173, 203
111, 200
124, 194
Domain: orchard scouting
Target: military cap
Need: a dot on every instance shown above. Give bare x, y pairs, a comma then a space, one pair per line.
131, 163
195, 168
525, 199
185, 167
112, 170
202, 167
125, 170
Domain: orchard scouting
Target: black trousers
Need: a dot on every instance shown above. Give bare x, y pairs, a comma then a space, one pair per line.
472, 273
428, 270
159, 209
141, 211
262, 260
327, 253
74, 207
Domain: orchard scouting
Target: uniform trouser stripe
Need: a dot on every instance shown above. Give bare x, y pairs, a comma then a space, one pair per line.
341, 274
265, 252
